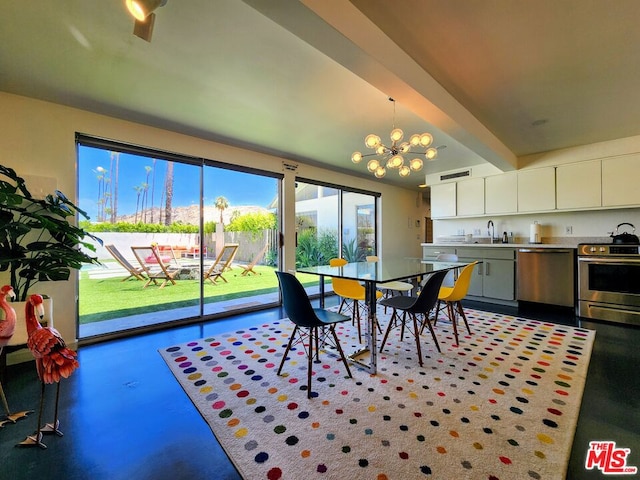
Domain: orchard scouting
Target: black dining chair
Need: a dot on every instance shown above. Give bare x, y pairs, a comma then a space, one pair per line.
310, 323
414, 306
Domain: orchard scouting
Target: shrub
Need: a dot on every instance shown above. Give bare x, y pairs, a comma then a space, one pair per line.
316, 248
177, 227
255, 222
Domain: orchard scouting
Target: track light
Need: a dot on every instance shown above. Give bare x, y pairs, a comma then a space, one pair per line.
141, 9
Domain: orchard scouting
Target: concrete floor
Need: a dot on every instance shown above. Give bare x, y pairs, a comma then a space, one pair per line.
124, 416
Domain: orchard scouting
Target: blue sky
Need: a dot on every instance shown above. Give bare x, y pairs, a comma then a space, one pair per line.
239, 188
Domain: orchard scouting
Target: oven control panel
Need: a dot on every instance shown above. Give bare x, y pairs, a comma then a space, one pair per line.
608, 250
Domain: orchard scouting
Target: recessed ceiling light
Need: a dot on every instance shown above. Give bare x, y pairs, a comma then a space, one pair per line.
537, 123
422, 185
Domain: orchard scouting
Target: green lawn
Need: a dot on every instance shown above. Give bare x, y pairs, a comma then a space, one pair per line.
106, 299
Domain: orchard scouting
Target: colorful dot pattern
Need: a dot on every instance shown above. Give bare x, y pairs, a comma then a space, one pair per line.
502, 404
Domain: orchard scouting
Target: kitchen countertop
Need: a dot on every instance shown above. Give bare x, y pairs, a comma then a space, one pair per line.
499, 245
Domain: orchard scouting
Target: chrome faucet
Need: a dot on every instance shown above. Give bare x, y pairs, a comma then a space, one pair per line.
491, 230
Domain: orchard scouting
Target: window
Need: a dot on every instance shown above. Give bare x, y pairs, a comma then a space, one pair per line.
333, 221
186, 209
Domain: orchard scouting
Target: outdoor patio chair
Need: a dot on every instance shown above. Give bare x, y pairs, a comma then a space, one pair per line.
222, 263
154, 267
134, 272
169, 254
247, 269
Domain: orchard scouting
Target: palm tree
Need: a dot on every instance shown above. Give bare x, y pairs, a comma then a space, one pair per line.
145, 189
168, 186
153, 187
138, 189
100, 174
221, 203
114, 185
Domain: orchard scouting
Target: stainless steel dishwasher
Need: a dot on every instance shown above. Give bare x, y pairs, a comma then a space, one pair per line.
547, 275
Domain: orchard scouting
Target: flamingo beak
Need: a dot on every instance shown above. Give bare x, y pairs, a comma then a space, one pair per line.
12, 294
40, 311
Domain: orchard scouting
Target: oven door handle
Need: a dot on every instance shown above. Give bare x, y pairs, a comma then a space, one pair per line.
609, 260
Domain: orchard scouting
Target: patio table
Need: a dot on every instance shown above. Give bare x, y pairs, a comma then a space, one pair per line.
372, 274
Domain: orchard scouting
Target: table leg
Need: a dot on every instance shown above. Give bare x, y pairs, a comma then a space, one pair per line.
321, 291
370, 332
371, 326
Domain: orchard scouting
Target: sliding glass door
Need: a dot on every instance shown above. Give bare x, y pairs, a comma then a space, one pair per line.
241, 222
333, 221
358, 226
183, 238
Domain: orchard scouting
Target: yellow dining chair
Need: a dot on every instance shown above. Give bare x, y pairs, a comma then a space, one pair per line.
350, 290
452, 297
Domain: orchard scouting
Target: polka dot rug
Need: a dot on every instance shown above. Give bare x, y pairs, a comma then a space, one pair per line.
503, 404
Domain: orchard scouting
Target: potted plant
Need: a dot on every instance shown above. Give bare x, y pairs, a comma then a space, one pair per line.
37, 242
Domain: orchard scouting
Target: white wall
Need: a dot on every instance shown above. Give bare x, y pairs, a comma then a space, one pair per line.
584, 225
38, 138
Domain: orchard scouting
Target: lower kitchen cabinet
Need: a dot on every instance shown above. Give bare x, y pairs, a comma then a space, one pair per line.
431, 253
495, 277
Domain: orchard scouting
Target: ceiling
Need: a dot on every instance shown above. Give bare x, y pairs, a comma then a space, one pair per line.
307, 80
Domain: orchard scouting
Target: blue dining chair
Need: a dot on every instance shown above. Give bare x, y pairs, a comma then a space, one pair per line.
414, 306
310, 324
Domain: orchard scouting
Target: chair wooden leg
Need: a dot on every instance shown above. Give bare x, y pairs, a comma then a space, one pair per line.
464, 317
435, 319
339, 347
317, 338
394, 316
433, 333
417, 335
356, 317
286, 351
377, 323
313, 336
454, 323
342, 303
402, 325
385, 294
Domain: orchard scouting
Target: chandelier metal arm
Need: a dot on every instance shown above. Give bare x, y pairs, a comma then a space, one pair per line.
393, 156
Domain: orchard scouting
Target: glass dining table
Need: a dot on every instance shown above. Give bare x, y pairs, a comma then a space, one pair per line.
371, 274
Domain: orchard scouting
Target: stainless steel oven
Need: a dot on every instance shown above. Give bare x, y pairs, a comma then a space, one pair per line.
609, 282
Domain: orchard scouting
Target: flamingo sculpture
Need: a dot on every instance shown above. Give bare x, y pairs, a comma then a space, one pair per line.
7, 327
54, 361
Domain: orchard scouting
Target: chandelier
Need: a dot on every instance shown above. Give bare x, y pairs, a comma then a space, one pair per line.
393, 156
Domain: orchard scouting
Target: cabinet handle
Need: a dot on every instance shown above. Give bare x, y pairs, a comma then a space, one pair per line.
479, 269
486, 270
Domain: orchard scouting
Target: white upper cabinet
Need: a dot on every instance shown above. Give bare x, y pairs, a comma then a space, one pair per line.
579, 185
620, 181
591, 184
443, 200
537, 190
470, 197
501, 193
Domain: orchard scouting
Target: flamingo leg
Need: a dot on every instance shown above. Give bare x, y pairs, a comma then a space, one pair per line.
35, 440
51, 428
